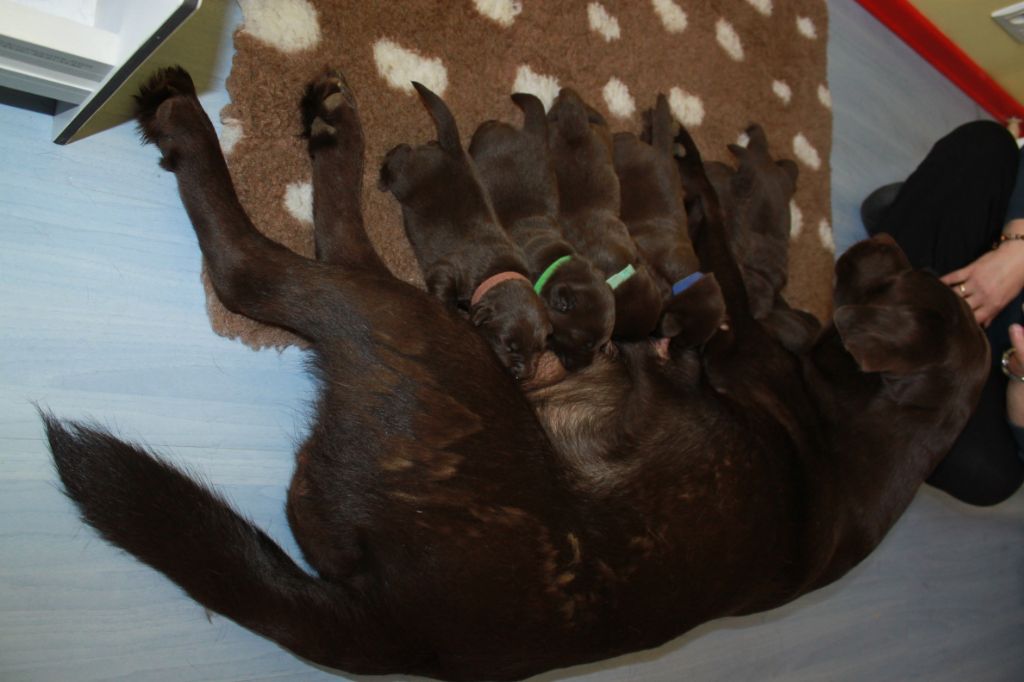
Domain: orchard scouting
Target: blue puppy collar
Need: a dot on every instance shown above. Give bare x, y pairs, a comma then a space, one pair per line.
686, 282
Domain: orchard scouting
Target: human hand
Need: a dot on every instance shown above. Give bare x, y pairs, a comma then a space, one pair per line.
1014, 388
990, 282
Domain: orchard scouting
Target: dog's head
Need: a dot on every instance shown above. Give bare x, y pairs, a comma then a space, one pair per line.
907, 325
692, 316
514, 321
582, 311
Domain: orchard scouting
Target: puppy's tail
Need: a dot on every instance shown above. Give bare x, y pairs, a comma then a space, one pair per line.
183, 529
662, 128
708, 224
535, 121
444, 122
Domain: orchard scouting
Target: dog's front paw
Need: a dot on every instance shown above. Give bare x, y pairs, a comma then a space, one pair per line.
164, 85
329, 113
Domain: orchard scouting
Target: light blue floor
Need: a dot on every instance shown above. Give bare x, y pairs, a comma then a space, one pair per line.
102, 316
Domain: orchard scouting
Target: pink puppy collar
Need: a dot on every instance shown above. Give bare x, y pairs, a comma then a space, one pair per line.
493, 281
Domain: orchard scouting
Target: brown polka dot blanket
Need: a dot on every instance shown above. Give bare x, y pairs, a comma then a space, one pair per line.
722, 63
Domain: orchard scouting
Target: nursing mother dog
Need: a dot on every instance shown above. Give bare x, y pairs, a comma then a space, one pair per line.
449, 538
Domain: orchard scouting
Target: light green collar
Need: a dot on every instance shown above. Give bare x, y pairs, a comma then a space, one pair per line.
621, 276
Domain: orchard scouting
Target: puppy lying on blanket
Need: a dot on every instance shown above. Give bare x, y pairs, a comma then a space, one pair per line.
515, 169
449, 538
467, 259
588, 191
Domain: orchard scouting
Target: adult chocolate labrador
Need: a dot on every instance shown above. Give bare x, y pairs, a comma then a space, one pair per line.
449, 537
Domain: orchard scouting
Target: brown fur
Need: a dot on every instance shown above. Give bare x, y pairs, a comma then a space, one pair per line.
449, 536
581, 154
516, 171
459, 243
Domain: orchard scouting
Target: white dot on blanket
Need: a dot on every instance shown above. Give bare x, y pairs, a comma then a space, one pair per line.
806, 152
825, 235
288, 25
782, 91
298, 201
825, 96
230, 134
602, 23
762, 6
616, 96
672, 16
729, 39
400, 66
688, 109
502, 12
743, 140
806, 27
796, 220
545, 88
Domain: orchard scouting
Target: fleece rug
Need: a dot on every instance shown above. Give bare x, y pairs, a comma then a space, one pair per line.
722, 63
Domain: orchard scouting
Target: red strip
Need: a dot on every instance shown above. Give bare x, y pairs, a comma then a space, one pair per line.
927, 40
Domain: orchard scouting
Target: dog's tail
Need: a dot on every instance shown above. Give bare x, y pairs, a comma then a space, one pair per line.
662, 126
571, 116
535, 121
444, 122
710, 239
183, 529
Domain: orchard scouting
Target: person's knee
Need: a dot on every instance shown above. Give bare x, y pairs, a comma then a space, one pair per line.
986, 141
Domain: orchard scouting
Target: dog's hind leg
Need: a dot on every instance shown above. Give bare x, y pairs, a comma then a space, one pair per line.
251, 274
331, 124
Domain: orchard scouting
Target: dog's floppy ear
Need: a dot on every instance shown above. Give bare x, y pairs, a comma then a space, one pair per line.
444, 122
562, 297
535, 121
868, 265
569, 115
897, 339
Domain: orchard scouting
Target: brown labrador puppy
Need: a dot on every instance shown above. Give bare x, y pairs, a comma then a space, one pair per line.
653, 210
467, 259
515, 169
448, 537
588, 190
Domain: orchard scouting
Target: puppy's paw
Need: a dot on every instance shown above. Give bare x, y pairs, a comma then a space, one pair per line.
329, 113
166, 84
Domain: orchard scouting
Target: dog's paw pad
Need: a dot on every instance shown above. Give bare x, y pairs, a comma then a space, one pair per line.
327, 103
165, 84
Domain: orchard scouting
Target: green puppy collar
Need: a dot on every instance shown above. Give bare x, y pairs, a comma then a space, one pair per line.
547, 274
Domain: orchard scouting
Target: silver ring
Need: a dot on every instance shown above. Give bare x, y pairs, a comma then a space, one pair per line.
1006, 365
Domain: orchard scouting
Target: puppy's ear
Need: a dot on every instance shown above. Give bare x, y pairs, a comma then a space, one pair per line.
739, 152
562, 297
896, 339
